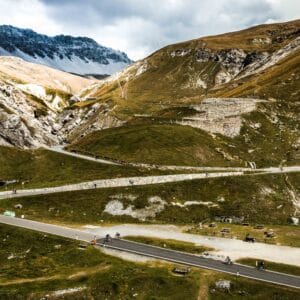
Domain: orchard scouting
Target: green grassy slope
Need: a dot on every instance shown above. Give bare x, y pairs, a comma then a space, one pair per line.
43, 168
156, 144
259, 199
170, 81
44, 264
153, 139
159, 142
161, 96
170, 244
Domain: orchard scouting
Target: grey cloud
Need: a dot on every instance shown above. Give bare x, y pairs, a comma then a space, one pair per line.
139, 27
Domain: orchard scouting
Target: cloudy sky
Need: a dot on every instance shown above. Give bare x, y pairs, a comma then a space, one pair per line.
139, 27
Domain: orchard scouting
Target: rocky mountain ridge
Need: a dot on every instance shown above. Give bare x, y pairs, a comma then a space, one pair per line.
36, 105
79, 55
239, 90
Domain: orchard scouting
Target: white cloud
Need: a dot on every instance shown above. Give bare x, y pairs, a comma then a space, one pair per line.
28, 14
286, 9
139, 27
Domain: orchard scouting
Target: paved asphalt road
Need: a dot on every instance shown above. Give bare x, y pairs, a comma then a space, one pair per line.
289, 169
201, 262
135, 181
115, 182
61, 150
156, 252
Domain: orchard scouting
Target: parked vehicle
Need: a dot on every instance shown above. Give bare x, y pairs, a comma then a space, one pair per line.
249, 238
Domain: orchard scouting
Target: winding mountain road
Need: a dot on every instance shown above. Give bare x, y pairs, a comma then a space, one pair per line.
157, 252
115, 182
137, 181
59, 149
200, 262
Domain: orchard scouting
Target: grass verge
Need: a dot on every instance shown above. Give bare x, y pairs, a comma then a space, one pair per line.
170, 244
44, 168
260, 199
34, 264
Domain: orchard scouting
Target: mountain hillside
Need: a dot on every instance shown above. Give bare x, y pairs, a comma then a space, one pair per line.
224, 101
240, 88
27, 73
188, 72
32, 101
80, 55
220, 100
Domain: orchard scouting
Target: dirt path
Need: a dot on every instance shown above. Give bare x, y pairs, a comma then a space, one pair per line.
78, 273
60, 149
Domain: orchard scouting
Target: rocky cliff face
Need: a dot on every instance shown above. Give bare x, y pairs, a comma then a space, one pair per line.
78, 55
36, 106
27, 122
23, 123
221, 115
191, 71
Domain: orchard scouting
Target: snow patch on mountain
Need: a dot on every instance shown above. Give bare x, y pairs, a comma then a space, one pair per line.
80, 55
74, 64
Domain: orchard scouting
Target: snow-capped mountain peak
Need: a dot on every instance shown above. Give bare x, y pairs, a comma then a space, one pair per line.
80, 55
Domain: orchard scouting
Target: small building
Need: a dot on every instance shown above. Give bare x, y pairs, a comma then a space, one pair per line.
229, 219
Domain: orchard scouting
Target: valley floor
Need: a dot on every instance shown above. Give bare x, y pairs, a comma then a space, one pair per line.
91, 200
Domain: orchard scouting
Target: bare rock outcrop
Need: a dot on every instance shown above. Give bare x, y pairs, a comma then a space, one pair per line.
221, 115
